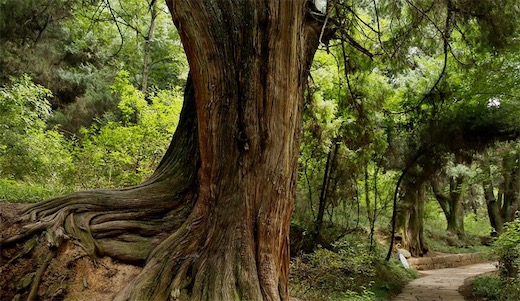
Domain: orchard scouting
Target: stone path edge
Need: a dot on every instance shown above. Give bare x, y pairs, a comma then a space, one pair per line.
447, 261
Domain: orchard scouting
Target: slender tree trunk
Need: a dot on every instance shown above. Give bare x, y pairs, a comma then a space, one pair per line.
367, 193
374, 212
212, 222
148, 46
318, 223
330, 166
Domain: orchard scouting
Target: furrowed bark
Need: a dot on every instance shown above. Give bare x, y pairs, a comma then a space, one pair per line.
212, 222
411, 217
249, 63
451, 203
493, 208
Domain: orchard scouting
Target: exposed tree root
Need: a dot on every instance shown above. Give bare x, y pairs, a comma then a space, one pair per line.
112, 223
105, 222
174, 241
38, 277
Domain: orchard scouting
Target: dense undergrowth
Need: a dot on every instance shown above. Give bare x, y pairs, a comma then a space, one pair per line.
21, 192
121, 148
506, 285
348, 270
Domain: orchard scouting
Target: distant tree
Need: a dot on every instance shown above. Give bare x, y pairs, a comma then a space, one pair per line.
451, 202
501, 183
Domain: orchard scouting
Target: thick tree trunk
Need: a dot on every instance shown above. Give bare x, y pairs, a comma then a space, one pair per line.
411, 218
126, 224
493, 207
212, 222
510, 188
456, 218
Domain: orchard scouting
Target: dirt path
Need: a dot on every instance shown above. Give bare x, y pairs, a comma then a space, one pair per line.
441, 284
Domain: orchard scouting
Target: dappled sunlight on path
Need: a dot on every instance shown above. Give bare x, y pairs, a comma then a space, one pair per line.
441, 284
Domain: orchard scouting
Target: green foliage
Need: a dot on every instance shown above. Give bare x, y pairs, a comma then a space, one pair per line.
494, 288
489, 287
13, 191
96, 101
507, 248
124, 152
346, 272
29, 151
75, 49
476, 226
506, 286
24, 106
122, 149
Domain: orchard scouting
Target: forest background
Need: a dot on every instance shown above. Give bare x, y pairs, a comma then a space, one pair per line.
410, 123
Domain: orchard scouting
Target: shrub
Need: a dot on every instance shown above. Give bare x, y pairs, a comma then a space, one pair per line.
487, 286
28, 150
120, 149
496, 288
348, 271
123, 150
507, 286
507, 248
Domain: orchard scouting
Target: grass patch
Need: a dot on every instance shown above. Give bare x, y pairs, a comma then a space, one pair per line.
439, 241
17, 192
476, 226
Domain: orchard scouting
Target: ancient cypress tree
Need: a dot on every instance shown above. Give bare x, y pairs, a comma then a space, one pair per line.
212, 222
